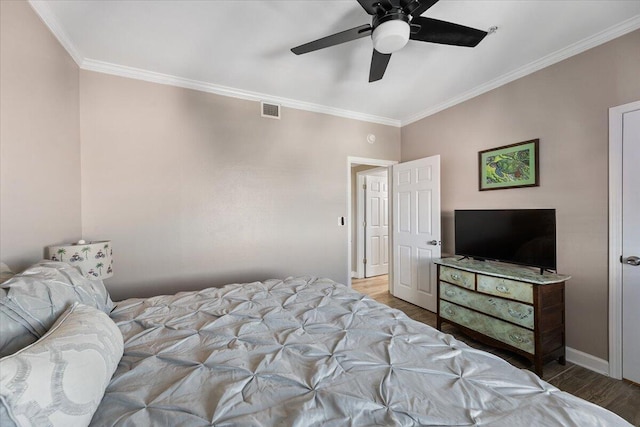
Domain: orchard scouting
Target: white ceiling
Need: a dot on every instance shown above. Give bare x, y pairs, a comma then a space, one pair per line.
241, 48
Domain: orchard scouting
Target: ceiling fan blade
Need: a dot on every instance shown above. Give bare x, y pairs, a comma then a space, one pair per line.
435, 31
334, 39
379, 62
418, 7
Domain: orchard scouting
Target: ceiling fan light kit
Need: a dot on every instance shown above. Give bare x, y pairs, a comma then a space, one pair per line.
390, 36
394, 23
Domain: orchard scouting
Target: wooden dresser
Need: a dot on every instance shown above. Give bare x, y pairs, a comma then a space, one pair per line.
505, 306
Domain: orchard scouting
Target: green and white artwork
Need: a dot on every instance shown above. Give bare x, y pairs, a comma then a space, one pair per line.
509, 166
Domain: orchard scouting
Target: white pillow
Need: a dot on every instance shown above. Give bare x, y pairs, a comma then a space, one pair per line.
60, 379
30, 302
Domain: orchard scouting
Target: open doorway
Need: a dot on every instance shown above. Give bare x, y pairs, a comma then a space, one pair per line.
355, 259
414, 240
371, 219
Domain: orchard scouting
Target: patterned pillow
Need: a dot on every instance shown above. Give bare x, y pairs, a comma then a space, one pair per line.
60, 379
31, 301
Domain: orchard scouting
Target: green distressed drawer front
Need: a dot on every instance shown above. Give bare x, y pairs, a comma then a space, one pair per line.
515, 312
462, 278
506, 288
502, 331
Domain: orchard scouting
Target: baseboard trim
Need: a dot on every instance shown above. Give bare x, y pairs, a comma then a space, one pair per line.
588, 361
354, 275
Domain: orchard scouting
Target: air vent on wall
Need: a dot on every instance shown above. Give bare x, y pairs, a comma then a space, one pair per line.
271, 111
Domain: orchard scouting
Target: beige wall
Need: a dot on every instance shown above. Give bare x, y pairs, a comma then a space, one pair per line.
39, 138
197, 189
566, 106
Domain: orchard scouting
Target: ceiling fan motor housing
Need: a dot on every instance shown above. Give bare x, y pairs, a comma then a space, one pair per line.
390, 31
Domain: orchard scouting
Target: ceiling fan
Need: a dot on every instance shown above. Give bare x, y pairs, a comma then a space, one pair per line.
394, 23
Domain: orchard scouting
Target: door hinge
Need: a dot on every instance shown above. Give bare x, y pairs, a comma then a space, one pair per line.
364, 261
364, 186
364, 223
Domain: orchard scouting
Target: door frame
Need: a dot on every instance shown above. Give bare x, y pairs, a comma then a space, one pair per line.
615, 236
353, 161
359, 220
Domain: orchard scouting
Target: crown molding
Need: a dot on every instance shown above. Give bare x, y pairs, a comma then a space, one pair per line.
44, 12
166, 79
602, 37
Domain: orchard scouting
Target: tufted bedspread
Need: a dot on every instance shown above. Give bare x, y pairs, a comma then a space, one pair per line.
311, 352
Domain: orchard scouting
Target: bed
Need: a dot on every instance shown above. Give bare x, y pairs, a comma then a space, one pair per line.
295, 352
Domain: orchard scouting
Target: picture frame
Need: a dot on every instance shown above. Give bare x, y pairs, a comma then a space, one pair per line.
509, 166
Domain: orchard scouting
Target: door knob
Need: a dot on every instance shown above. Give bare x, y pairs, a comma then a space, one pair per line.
432, 242
632, 260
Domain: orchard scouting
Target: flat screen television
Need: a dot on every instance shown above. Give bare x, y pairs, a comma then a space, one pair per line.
517, 236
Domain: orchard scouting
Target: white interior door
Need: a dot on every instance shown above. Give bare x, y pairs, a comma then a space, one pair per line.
416, 230
631, 247
377, 225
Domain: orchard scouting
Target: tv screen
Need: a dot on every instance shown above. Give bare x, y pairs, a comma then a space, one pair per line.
518, 236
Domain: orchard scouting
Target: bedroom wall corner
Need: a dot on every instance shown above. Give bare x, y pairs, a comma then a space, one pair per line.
566, 106
39, 138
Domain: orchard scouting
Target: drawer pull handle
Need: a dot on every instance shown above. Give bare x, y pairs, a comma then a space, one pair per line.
502, 288
449, 311
455, 276
517, 314
450, 293
518, 338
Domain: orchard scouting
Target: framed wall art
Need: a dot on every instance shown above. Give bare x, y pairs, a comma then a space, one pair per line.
510, 166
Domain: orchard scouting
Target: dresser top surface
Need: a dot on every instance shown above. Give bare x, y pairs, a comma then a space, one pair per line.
514, 272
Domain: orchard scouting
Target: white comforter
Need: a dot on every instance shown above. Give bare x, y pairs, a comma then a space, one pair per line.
309, 352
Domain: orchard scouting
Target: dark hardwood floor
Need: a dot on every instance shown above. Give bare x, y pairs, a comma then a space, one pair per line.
620, 397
